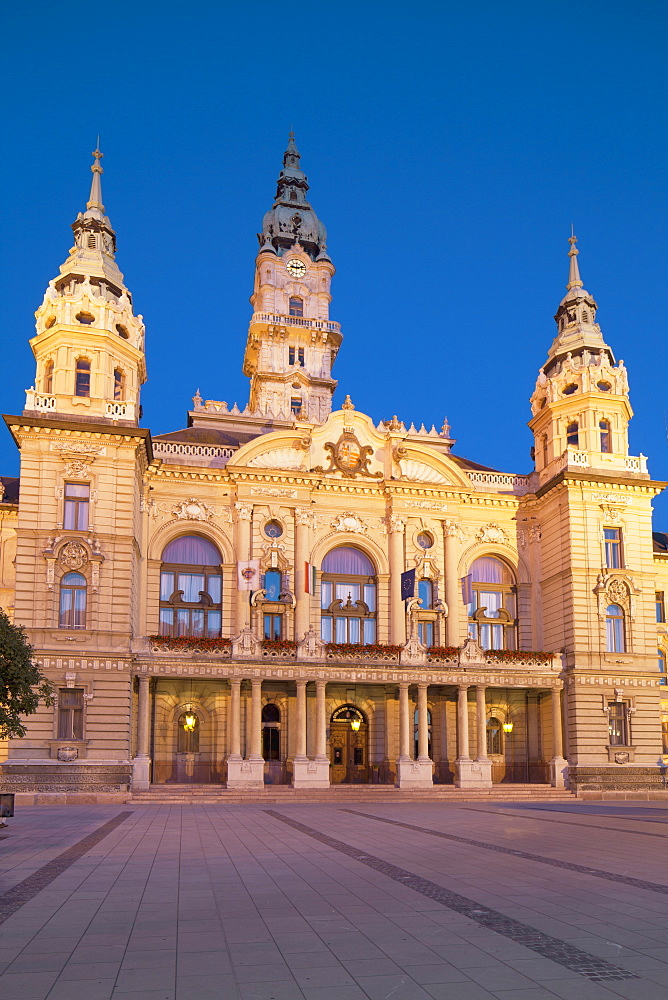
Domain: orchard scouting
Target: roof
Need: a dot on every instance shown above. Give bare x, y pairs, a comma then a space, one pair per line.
11, 489
466, 463
206, 435
660, 539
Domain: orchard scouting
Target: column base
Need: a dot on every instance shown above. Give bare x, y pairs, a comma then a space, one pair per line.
310, 774
415, 774
141, 774
245, 774
473, 774
559, 772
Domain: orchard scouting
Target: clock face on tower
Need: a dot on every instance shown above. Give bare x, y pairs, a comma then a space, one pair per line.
296, 267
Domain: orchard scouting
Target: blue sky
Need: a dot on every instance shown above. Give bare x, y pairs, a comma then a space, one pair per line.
448, 147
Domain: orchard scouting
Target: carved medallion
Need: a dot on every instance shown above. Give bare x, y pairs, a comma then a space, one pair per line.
350, 457
192, 510
73, 556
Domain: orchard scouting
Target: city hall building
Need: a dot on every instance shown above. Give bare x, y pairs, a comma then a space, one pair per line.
295, 595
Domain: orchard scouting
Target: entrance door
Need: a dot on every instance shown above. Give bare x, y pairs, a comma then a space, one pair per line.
349, 747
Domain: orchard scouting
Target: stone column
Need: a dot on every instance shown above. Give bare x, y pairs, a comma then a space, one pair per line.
302, 552
242, 541
311, 773
234, 721
141, 764
320, 721
404, 723
453, 597
397, 610
423, 725
463, 723
482, 760
256, 721
300, 742
558, 765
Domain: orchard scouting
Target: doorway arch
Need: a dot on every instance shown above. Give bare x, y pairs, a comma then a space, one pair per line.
349, 746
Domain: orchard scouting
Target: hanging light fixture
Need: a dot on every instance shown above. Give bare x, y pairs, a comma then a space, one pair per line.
355, 723
508, 727
189, 720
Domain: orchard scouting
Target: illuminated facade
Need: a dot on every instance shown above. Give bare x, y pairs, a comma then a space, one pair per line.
223, 604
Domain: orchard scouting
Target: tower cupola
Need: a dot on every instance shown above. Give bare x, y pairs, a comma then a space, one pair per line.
89, 345
581, 408
291, 219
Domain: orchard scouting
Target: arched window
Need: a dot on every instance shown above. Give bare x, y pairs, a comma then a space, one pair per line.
494, 738
296, 306
187, 740
606, 437
82, 377
48, 377
119, 386
191, 588
573, 434
72, 601
662, 666
271, 732
615, 638
415, 733
348, 597
492, 604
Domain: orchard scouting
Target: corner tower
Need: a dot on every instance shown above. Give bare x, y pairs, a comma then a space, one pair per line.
89, 345
580, 405
292, 343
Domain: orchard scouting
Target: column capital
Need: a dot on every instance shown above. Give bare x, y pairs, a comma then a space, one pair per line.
463, 687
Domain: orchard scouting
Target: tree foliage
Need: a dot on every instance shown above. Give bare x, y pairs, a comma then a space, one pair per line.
22, 684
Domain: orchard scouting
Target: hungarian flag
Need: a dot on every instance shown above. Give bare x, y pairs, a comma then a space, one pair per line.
309, 578
248, 574
408, 584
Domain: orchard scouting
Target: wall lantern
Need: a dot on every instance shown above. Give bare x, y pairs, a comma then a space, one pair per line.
189, 722
355, 723
508, 727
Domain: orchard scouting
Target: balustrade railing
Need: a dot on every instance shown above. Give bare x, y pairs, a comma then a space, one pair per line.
310, 324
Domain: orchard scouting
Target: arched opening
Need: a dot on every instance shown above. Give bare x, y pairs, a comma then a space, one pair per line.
296, 306
82, 377
415, 734
573, 434
188, 727
349, 746
119, 384
348, 597
615, 631
606, 436
191, 588
271, 732
492, 604
494, 737
48, 377
72, 601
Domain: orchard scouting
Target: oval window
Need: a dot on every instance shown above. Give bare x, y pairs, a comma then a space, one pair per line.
85, 318
122, 332
604, 386
570, 389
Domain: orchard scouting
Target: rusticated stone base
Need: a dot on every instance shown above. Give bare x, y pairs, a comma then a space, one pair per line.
618, 781
53, 782
415, 774
310, 774
473, 774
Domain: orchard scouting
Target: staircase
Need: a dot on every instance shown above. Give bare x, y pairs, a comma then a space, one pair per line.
173, 794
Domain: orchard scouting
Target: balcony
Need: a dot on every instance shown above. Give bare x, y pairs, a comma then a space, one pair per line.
273, 319
573, 459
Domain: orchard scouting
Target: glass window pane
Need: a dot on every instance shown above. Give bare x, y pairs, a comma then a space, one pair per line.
429, 633
497, 636
326, 629
485, 639
166, 586
272, 584
197, 623
214, 588
68, 517
325, 594
166, 621
190, 584
182, 622
82, 515
341, 630
370, 596
81, 490
65, 600
492, 600
369, 631
353, 630
425, 591
192, 550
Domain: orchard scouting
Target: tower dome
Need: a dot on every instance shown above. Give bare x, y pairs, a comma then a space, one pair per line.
291, 218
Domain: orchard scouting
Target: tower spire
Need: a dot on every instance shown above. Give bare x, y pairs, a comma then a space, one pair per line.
95, 200
574, 279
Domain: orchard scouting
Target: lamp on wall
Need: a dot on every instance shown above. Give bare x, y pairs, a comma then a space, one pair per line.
508, 727
355, 723
189, 722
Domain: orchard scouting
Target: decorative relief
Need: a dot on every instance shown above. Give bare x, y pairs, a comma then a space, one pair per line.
68, 754
395, 523
192, 510
426, 505
78, 448
492, 533
618, 592
420, 472
244, 511
611, 514
77, 468
608, 498
350, 522
453, 529
73, 556
279, 458
272, 491
348, 456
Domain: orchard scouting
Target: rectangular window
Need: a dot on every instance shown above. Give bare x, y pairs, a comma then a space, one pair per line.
291, 355
613, 547
70, 713
660, 606
273, 626
296, 406
426, 633
618, 729
82, 378
75, 515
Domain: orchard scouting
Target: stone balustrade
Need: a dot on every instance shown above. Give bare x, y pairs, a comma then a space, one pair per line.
328, 326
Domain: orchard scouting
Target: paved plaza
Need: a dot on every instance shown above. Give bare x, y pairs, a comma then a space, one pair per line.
531, 901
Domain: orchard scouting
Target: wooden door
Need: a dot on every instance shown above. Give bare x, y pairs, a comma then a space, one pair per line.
348, 754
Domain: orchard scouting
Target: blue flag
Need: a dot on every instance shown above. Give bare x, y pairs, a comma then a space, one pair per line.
408, 584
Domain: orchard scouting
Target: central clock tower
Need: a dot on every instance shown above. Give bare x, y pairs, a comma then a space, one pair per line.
292, 343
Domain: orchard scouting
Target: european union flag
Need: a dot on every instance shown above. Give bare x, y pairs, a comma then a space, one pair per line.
408, 584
